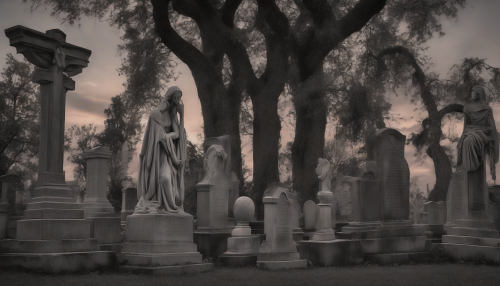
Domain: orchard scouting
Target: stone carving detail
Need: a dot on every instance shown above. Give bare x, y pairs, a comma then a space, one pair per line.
214, 162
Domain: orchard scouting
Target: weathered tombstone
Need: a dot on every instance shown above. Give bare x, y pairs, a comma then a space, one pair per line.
212, 205
7, 205
386, 148
129, 201
234, 192
242, 246
436, 212
52, 216
298, 234
323, 249
96, 203
105, 227
455, 200
278, 251
342, 192
310, 216
395, 240
366, 204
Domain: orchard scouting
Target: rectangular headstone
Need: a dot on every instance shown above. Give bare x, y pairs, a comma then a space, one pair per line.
386, 147
456, 198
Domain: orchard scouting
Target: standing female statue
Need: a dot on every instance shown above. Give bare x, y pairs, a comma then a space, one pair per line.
160, 186
480, 134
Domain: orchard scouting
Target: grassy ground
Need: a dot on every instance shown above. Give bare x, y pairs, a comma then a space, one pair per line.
417, 274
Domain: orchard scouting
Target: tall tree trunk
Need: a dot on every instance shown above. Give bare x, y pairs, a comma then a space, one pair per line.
310, 107
266, 138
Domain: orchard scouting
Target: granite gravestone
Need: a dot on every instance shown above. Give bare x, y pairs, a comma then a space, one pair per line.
129, 201
366, 204
212, 205
455, 199
278, 251
52, 216
233, 192
386, 148
310, 215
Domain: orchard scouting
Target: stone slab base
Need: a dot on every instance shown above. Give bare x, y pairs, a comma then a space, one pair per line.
471, 240
59, 262
160, 259
277, 265
211, 244
389, 258
400, 231
476, 232
393, 244
238, 260
335, 252
107, 230
117, 248
471, 252
169, 270
47, 246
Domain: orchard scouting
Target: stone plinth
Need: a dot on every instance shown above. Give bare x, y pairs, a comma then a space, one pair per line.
242, 247
98, 210
212, 205
96, 203
329, 253
391, 244
52, 217
324, 231
278, 250
160, 244
129, 201
474, 236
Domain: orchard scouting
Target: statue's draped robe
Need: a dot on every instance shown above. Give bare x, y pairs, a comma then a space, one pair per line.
479, 137
160, 182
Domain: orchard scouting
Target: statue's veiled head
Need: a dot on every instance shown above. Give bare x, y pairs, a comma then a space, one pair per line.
478, 92
173, 95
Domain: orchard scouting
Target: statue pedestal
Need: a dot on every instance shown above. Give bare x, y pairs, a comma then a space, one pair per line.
161, 244
475, 236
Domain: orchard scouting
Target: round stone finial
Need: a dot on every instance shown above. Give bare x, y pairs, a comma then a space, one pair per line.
243, 209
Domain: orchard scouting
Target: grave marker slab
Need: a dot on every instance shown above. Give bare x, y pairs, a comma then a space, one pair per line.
278, 251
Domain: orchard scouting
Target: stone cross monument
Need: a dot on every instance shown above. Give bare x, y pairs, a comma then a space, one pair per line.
56, 62
52, 217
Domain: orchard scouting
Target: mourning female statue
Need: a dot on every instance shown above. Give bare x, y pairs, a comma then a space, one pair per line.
160, 186
479, 136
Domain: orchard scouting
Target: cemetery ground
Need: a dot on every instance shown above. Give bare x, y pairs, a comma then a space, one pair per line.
436, 273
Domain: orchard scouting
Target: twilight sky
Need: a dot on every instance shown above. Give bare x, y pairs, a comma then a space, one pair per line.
474, 34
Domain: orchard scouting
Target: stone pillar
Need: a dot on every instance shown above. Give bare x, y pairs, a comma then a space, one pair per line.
278, 251
96, 203
7, 206
105, 227
129, 201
